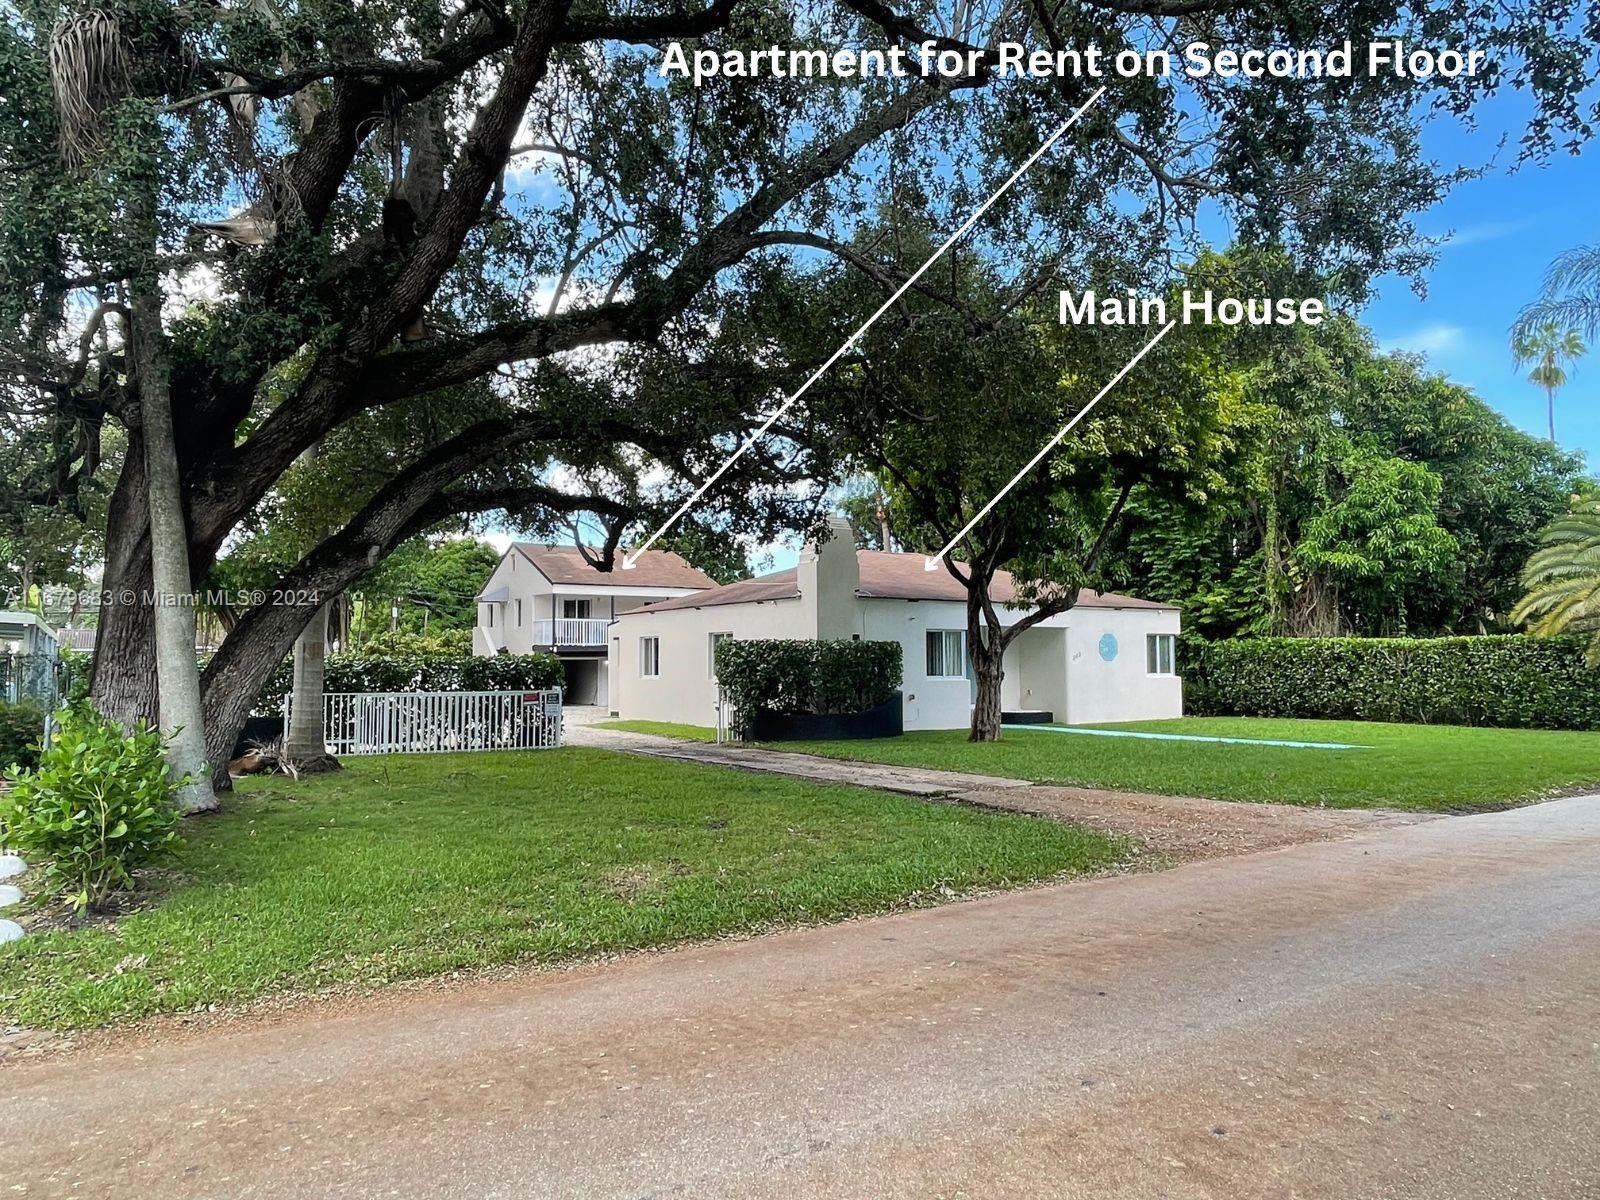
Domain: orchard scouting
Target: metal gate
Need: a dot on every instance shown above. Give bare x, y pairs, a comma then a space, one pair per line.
438, 722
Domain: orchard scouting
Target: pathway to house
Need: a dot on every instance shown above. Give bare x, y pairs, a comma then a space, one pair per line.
1405, 1013
1177, 827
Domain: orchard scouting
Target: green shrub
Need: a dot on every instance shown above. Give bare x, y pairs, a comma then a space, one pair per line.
1511, 681
99, 805
21, 727
794, 676
447, 643
421, 673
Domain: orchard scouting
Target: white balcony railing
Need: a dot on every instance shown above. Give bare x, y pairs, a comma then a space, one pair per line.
570, 631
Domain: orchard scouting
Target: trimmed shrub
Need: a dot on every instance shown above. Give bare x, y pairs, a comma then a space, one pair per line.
421, 673
1509, 681
796, 676
21, 728
99, 805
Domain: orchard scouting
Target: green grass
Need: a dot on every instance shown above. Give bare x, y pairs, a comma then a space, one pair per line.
1422, 767
405, 867
671, 729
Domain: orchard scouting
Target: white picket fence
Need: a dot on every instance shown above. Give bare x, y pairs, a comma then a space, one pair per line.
438, 722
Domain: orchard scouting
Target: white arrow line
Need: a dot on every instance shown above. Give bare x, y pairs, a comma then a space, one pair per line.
629, 561
932, 563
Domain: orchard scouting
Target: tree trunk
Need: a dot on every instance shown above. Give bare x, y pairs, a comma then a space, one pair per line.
171, 596
303, 742
122, 684
986, 704
1550, 411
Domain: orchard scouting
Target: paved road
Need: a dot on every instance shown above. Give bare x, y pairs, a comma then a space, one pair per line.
1413, 1012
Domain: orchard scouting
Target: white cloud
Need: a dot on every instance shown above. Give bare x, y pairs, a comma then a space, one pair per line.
1437, 337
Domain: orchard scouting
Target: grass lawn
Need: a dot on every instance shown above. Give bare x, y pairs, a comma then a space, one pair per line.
1438, 767
671, 729
404, 867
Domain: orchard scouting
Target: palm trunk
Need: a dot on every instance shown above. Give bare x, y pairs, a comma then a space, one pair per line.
303, 741
1550, 412
171, 598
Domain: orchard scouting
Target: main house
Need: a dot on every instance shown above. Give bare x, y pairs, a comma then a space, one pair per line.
1111, 658
552, 598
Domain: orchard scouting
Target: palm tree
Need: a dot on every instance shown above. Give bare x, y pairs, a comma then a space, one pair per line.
1549, 348
1550, 331
1563, 578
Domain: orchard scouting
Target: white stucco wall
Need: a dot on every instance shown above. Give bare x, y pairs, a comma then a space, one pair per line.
684, 691
1121, 689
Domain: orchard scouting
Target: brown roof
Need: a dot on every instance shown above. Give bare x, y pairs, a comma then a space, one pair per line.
884, 576
655, 568
780, 585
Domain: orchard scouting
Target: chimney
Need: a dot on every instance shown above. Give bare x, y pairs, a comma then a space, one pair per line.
828, 576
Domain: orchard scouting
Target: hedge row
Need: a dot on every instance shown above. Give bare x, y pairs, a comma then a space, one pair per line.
798, 676
422, 673
1511, 681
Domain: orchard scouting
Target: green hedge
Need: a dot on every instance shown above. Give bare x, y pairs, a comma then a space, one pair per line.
422, 673
795, 676
1511, 681
21, 730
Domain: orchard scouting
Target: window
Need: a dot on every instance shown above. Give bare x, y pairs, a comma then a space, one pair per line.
519, 614
714, 641
1159, 651
575, 610
946, 654
650, 657
488, 615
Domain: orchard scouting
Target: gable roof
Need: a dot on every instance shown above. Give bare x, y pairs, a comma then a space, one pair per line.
655, 568
884, 576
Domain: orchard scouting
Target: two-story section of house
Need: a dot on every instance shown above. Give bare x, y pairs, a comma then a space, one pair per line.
552, 598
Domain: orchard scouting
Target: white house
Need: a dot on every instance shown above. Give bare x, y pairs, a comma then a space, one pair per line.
552, 598
1112, 658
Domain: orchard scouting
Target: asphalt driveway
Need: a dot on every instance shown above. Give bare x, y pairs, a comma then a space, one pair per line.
1410, 1012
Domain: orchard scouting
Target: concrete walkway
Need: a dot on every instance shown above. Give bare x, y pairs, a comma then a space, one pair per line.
1408, 1014
909, 781
1178, 828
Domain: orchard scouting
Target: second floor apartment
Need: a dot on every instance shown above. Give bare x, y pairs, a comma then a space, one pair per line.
552, 598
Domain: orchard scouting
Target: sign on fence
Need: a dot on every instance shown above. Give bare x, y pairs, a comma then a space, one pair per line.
438, 722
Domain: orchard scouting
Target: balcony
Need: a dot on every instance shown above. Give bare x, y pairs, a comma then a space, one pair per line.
570, 632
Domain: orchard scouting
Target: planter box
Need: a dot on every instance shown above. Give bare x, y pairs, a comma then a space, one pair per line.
886, 720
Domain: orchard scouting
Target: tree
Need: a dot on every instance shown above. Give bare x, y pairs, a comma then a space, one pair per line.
1549, 348
1326, 420
1563, 578
364, 196
953, 398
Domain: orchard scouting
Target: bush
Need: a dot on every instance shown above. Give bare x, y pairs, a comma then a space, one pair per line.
21, 727
1511, 681
100, 804
448, 643
791, 676
421, 673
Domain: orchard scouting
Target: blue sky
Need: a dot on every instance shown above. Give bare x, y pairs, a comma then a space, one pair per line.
1505, 227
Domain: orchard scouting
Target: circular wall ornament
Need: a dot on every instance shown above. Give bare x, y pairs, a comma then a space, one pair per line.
1108, 647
